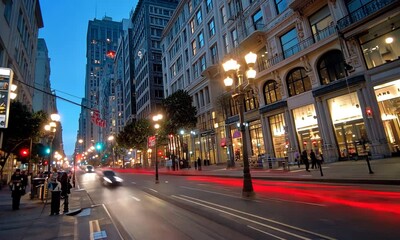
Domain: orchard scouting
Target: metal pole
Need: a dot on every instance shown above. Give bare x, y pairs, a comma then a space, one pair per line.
247, 191
30, 157
155, 148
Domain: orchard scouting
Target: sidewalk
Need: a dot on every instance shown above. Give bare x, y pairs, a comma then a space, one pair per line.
32, 221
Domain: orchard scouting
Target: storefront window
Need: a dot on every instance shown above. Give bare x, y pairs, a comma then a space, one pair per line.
306, 123
379, 43
256, 138
237, 144
277, 125
351, 135
388, 97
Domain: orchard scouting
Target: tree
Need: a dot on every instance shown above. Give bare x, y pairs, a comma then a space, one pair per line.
23, 126
180, 114
179, 111
135, 135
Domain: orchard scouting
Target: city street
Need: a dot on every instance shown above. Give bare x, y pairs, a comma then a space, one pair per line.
205, 207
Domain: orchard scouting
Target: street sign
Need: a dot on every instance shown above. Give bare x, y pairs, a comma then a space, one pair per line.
6, 77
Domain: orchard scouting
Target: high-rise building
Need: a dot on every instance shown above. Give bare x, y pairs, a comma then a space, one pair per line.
148, 21
19, 26
43, 97
102, 42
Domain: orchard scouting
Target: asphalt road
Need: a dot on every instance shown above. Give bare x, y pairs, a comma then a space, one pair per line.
193, 207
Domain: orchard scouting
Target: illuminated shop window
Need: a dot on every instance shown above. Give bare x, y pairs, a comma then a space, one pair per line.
380, 43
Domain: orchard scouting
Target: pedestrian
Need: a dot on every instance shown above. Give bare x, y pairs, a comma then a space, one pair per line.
199, 163
304, 158
55, 198
65, 190
297, 158
52, 180
313, 158
17, 188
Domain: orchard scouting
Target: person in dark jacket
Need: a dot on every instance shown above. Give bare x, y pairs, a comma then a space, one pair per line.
313, 158
17, 186
304, 159
199, 163
65, 189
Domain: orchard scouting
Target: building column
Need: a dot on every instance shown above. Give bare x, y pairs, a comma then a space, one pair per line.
376, 133
290, 134
329, 147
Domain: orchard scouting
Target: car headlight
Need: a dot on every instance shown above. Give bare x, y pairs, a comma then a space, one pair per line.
118, 179
107, 179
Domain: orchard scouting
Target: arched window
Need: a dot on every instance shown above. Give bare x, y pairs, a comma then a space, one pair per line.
331, 67
298, 81
250, 101
272, 92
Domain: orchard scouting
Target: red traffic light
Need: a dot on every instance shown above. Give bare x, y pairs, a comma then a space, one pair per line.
45, 163
368, 111
24, 152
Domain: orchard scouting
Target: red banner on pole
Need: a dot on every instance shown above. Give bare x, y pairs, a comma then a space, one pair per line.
96, 119
152, 141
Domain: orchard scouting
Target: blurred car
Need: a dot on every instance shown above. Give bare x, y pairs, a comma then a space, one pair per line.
109, 178
89, 169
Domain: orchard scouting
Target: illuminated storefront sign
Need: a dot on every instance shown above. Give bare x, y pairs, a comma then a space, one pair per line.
6, 76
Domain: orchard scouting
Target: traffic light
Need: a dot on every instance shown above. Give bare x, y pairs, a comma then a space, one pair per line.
368, 111
45, 162
47, 150
24, 152
98, 146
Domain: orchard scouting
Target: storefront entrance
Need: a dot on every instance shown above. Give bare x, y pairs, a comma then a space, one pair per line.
350, 132
351, 139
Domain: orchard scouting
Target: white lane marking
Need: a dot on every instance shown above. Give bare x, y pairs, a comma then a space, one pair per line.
222, 194
266, 233
269, 199
153, 190
133, 182
112, 220
252, 215
291, 201
137, 199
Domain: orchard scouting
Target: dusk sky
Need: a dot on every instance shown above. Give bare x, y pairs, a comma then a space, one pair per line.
65, 27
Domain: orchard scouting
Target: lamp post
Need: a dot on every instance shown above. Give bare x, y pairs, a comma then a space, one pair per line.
235, 80
111, 139
156, 118
51, 128
80, 141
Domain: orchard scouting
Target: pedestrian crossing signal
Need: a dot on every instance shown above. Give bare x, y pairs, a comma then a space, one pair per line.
368, 111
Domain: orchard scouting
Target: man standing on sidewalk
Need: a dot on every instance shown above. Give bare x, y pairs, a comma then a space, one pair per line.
17, 186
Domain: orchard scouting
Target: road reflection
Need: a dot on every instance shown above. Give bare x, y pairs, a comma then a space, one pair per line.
352, 196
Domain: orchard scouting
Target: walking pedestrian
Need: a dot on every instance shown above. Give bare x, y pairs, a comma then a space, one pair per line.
17, 188
313, 158
304, 158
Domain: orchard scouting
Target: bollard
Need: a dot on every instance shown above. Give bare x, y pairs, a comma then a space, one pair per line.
369, 166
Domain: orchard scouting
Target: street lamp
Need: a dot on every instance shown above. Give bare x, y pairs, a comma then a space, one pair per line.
111, 139
156, 118
51, 129
235, 80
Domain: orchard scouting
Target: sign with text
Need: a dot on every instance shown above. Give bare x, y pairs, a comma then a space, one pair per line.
6, 76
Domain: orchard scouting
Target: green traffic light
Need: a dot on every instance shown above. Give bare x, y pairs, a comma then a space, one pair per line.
48, 150
98, 146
